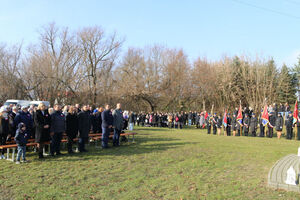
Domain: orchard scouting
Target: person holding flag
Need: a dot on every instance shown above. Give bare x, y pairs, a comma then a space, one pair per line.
298, 126
225, 121
264, 120
295, 119
271, 124
239, 120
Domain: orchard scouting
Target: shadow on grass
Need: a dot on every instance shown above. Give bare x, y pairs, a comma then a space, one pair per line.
137, 148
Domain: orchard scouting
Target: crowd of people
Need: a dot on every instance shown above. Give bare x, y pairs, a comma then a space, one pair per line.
278, 116
46, 125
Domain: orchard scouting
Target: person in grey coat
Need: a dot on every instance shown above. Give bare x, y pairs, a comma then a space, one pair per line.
279, 125
57, 128
117, 124
253, 125
84, 127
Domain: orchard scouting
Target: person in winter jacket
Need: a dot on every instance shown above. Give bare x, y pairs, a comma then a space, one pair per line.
42, 121
117, 124
107, 123
21, 140
57, 128
253, 125
71, 127
5, 131
24, 117
271, 124
289, 126
84, 127
279, 125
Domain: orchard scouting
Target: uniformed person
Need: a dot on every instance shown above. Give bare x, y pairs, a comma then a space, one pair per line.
279, 125
271, 124
208, 123
228, 128
253, 125
214, 122
233, 124
289, 126
246, 123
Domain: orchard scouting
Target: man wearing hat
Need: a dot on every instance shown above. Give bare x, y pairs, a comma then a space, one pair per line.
289, 126
24, 117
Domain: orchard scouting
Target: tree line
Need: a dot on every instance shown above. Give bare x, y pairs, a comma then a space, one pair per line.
88, 66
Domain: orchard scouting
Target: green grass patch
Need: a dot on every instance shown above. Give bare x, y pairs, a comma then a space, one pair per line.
162, 164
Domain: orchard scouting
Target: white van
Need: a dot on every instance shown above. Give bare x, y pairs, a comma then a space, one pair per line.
17, 102
36, 103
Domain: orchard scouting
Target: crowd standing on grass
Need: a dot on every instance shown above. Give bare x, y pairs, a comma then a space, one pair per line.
249, 122
46, 125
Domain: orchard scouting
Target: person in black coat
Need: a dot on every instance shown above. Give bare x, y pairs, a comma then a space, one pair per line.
71, 127
84, 127
253, 125
219, 124
279, 125
298, 127
289, 126
246, 123
261, 126
42, 122
57, 128
214, 122
271, 124
107, 123
228, 128
208, 123
233, 124
5, 132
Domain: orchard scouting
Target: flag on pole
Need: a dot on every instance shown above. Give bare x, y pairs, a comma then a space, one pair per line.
225, 119
206, 115
239, 117
295, 114
265, 116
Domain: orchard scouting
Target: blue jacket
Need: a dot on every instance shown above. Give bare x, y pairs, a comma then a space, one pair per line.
107, 118
21, 137
26, 118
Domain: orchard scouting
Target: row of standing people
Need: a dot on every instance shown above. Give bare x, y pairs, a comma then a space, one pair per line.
75, 122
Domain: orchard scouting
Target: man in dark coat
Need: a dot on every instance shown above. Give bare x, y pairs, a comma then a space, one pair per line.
279, 124
271, 124
42, 122
228, 127
24, 117
289, 126
71, 127
84, 127
58, 127
107, 123
117, 124
208, 123
261, 126
214, 122
253, 125
246, 123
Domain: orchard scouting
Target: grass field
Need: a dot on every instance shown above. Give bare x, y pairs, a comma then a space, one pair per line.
162, 164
